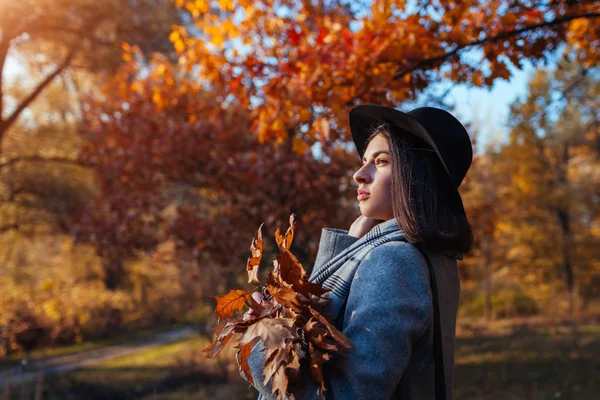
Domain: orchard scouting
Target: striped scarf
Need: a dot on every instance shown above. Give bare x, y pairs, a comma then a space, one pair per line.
337, 273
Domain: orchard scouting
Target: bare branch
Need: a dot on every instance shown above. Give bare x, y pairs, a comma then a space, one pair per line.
4, 125
9, 227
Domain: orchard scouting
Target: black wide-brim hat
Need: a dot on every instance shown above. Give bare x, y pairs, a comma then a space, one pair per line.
438, 128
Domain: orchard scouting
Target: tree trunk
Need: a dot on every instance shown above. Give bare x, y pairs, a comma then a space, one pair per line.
567, 267
564, 218
488, 278
113, 274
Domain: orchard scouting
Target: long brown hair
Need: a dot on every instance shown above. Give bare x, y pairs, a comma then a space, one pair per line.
426, 206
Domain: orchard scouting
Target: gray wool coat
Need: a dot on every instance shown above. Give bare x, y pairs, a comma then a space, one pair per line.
388, 317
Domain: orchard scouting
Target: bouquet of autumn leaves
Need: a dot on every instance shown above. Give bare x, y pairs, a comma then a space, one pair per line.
286, 315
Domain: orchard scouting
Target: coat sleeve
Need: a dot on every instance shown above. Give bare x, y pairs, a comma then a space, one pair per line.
389, 307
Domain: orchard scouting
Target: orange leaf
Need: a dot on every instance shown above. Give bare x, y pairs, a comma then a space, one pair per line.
289, 234
244, 354
232, 301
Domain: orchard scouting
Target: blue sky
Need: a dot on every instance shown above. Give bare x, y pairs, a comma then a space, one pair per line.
488, 109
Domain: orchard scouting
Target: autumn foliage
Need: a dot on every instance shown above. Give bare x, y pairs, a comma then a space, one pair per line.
286, 314
141, 142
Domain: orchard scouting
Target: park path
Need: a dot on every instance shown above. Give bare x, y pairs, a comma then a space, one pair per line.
66, 363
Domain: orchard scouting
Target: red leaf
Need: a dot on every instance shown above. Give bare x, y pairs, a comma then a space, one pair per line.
295, 36
322, 33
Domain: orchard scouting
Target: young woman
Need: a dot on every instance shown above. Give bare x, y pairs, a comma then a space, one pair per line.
393, 275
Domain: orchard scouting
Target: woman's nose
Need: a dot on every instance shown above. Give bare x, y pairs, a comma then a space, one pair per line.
361, 176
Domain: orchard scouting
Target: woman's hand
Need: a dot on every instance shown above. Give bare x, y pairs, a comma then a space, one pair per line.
257, 298
362, 225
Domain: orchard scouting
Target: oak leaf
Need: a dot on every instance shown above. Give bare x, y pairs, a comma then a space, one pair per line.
253, 263
231, 302
245, 351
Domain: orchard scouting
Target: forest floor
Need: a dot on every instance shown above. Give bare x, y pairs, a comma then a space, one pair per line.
526, 358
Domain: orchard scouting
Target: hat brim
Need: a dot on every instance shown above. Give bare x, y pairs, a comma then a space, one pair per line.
363, 118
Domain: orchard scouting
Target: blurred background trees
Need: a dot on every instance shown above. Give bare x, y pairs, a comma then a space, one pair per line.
533, 198
142, 143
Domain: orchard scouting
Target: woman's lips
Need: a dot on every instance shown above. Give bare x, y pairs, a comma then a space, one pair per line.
363, 196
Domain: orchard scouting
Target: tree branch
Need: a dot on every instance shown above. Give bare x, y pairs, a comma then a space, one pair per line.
9, 227
501, 36
4, 125
45, 159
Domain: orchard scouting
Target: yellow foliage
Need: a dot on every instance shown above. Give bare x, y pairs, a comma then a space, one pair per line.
179, 46
523, 182
47, 285
226, 5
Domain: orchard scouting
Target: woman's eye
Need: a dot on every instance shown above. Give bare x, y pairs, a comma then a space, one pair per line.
381, 159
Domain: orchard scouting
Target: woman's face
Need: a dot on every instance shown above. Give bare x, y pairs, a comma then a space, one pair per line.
375, 177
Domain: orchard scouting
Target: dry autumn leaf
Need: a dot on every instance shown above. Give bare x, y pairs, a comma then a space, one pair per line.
285, 315
286, 241
231, 302
253, 263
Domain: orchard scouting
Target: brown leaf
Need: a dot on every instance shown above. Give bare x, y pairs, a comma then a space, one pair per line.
287, 321
286, 241
274, 332
275, 358
232, 301
279, 384
335, 333
317, 359
317, 334
284, 294
292, 272
224, 334
215, 347
289, 268
253, 263
244, 354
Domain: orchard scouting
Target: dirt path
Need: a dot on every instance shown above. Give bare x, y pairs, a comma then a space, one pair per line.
62, 364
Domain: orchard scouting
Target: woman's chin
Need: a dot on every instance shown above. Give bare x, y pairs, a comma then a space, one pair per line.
365, 212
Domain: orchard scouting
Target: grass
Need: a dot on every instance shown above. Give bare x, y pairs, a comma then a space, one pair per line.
172, 371
57, 351
528, 361
517, 359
